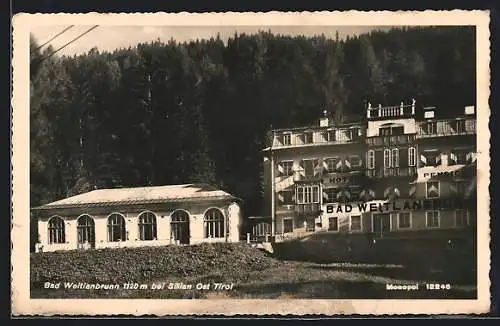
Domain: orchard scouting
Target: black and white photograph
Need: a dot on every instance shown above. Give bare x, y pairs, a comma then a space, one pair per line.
333, 159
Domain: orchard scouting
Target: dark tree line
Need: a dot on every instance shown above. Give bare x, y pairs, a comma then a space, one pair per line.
170, 113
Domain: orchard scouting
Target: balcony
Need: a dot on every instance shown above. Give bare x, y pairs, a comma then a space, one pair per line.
444, 128
325, 136
390, 140
308, 209
391, 172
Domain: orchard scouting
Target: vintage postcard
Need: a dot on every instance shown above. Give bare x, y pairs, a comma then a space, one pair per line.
308, 163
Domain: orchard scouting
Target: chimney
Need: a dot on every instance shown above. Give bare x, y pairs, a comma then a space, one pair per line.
323, 121
470, 110
429, 112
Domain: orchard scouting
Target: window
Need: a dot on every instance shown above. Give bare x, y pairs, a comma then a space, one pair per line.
391, 131
147, 226
354, 133
331, 135
397, 131
432, 189
308, 166
308, 138
307, 194
333, 224
404, 220
462, 187
334, 164
458, 157
331, 194
412, 156
430, 158
384, 131
287, 139
179, 226
261, 229
356, 223
287, 225
310, 225
56, 230
85, 231
395, 158
461, 218
355, 161
116, 228
287, 197
371, 159
287, 167
355, 194
460, 126
214, 223
387, 158
431, 127
432, 219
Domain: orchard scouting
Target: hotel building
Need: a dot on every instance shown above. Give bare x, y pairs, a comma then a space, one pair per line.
417, 171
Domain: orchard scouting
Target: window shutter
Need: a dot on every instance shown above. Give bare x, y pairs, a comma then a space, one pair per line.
347, 163
317, 167
453, 158
423, 159
471, 157
281, 198
438, 158
412, 191
325, 195
302, 170
280, 169
338, 166
325, 165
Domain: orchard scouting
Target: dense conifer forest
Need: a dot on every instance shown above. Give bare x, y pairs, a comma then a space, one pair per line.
199, 112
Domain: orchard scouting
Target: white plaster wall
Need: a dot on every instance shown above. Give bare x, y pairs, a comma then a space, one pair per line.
408, 124
163, 218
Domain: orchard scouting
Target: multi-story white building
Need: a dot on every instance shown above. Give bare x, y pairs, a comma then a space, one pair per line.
390, 173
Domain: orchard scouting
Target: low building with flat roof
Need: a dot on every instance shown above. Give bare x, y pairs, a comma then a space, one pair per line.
140, 216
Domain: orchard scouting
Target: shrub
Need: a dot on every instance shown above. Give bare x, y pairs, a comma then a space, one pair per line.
148, 263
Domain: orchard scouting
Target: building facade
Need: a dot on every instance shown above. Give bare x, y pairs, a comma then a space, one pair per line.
135, 217
390, 173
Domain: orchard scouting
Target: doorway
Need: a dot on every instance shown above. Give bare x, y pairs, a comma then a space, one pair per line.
381, 224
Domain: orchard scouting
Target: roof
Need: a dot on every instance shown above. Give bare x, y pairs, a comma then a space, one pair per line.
141, 195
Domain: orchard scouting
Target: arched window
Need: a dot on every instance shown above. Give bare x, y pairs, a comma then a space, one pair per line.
147, 226
86, 231
214, 223
56, 230
116, 228
179, 226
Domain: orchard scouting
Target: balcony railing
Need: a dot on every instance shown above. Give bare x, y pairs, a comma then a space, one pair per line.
443, 128
390, 140
308, 209
392, 172
319, 138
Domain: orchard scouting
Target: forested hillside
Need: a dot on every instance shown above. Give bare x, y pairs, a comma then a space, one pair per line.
170, 113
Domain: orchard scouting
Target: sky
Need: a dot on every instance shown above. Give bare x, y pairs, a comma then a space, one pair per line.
108, 38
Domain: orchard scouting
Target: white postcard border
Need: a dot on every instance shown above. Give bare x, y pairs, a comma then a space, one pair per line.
23, 305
